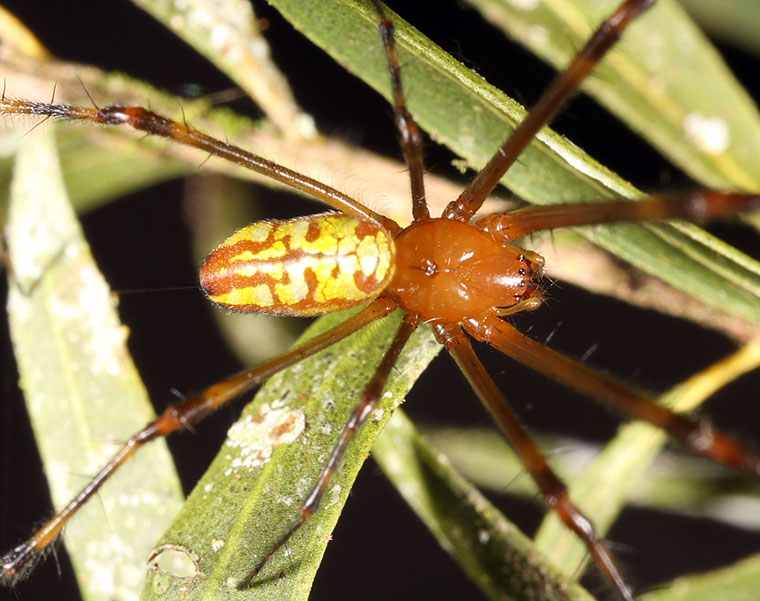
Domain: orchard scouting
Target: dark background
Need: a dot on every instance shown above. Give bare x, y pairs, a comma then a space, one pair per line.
404, 561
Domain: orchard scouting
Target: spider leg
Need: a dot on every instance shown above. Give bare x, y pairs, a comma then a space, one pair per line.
20, 560
359, 416
608, 33
698, 205
553, 490
411, 138
145, 120
695, 435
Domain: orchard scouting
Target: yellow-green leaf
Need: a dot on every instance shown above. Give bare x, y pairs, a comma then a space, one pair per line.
83, 393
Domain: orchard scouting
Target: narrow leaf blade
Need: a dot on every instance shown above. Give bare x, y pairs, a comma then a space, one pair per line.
75, 370
253, 490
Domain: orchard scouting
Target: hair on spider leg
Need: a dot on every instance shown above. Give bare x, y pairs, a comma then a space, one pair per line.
591, 350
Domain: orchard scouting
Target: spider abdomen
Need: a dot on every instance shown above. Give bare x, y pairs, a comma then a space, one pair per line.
447, 271
304, 266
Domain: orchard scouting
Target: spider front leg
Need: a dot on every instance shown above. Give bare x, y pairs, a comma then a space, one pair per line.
697, 436
699, 205
553, 490
411, 138
555, 97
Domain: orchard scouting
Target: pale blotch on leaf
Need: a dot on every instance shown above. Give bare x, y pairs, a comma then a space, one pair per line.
217, 545
525, 5
256, 436
708, 134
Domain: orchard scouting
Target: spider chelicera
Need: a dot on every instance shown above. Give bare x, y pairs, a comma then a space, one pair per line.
525, 295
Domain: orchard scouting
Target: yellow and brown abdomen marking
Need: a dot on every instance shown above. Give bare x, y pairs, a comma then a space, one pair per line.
302, 266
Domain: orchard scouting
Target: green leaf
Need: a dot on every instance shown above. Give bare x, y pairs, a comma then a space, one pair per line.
252, 492
82, 390
472, 530
738, 582
618, 471
645, 84
227, 34
677, 482
735, 21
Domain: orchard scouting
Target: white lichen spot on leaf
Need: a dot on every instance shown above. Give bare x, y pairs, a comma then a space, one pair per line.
708, 134
525, 5
217, 545
255, 438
